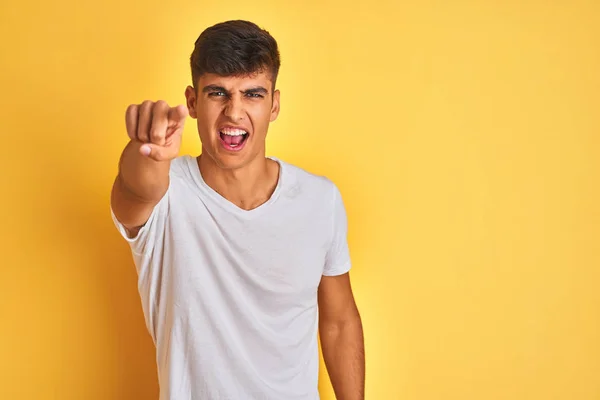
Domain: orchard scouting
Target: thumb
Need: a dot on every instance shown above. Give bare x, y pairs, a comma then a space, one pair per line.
157, 153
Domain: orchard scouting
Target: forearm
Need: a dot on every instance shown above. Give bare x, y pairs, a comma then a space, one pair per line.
138, 187
344, 356
143, 177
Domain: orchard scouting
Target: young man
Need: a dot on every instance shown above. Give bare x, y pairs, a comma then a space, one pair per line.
242, 259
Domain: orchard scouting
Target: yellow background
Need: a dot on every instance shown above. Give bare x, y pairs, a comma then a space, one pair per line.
462, 134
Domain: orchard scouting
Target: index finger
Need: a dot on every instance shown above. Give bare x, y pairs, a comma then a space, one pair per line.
177, 115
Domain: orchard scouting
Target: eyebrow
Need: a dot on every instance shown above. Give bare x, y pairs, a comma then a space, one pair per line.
213, 88
257, 89
217, 88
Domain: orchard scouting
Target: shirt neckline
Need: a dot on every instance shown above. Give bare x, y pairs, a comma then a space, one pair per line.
223, 202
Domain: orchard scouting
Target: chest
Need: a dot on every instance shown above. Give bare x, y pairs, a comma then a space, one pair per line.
277, 258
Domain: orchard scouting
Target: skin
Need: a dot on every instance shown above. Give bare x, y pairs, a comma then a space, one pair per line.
342, 341
246, 178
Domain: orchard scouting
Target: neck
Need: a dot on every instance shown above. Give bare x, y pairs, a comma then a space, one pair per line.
247, 187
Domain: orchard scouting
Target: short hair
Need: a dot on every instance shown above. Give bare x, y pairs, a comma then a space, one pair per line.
235, 48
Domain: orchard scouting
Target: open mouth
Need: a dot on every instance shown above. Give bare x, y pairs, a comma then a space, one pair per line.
233, 139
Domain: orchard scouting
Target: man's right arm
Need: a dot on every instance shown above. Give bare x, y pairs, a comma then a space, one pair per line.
154, 130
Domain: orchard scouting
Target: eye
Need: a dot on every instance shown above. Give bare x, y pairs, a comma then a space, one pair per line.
255, 95
213, 94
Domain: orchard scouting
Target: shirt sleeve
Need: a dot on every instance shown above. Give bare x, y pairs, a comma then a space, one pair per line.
150, 236
337, 261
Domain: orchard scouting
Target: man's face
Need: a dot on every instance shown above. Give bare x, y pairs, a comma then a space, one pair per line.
233, 116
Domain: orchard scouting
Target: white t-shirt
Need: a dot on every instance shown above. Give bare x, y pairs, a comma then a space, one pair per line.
230, 295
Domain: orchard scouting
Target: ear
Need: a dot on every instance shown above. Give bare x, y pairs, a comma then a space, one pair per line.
275, 106
191, 99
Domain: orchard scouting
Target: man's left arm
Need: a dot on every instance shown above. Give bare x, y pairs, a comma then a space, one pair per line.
341, 335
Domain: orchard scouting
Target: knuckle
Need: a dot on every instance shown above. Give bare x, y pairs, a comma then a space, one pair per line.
156, 135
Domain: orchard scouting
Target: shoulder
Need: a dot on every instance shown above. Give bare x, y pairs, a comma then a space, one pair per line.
180, 166
184, 170
299, 180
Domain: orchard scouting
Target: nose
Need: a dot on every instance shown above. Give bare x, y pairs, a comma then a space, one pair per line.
234, 109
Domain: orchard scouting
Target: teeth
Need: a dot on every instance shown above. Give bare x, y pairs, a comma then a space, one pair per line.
233, 132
